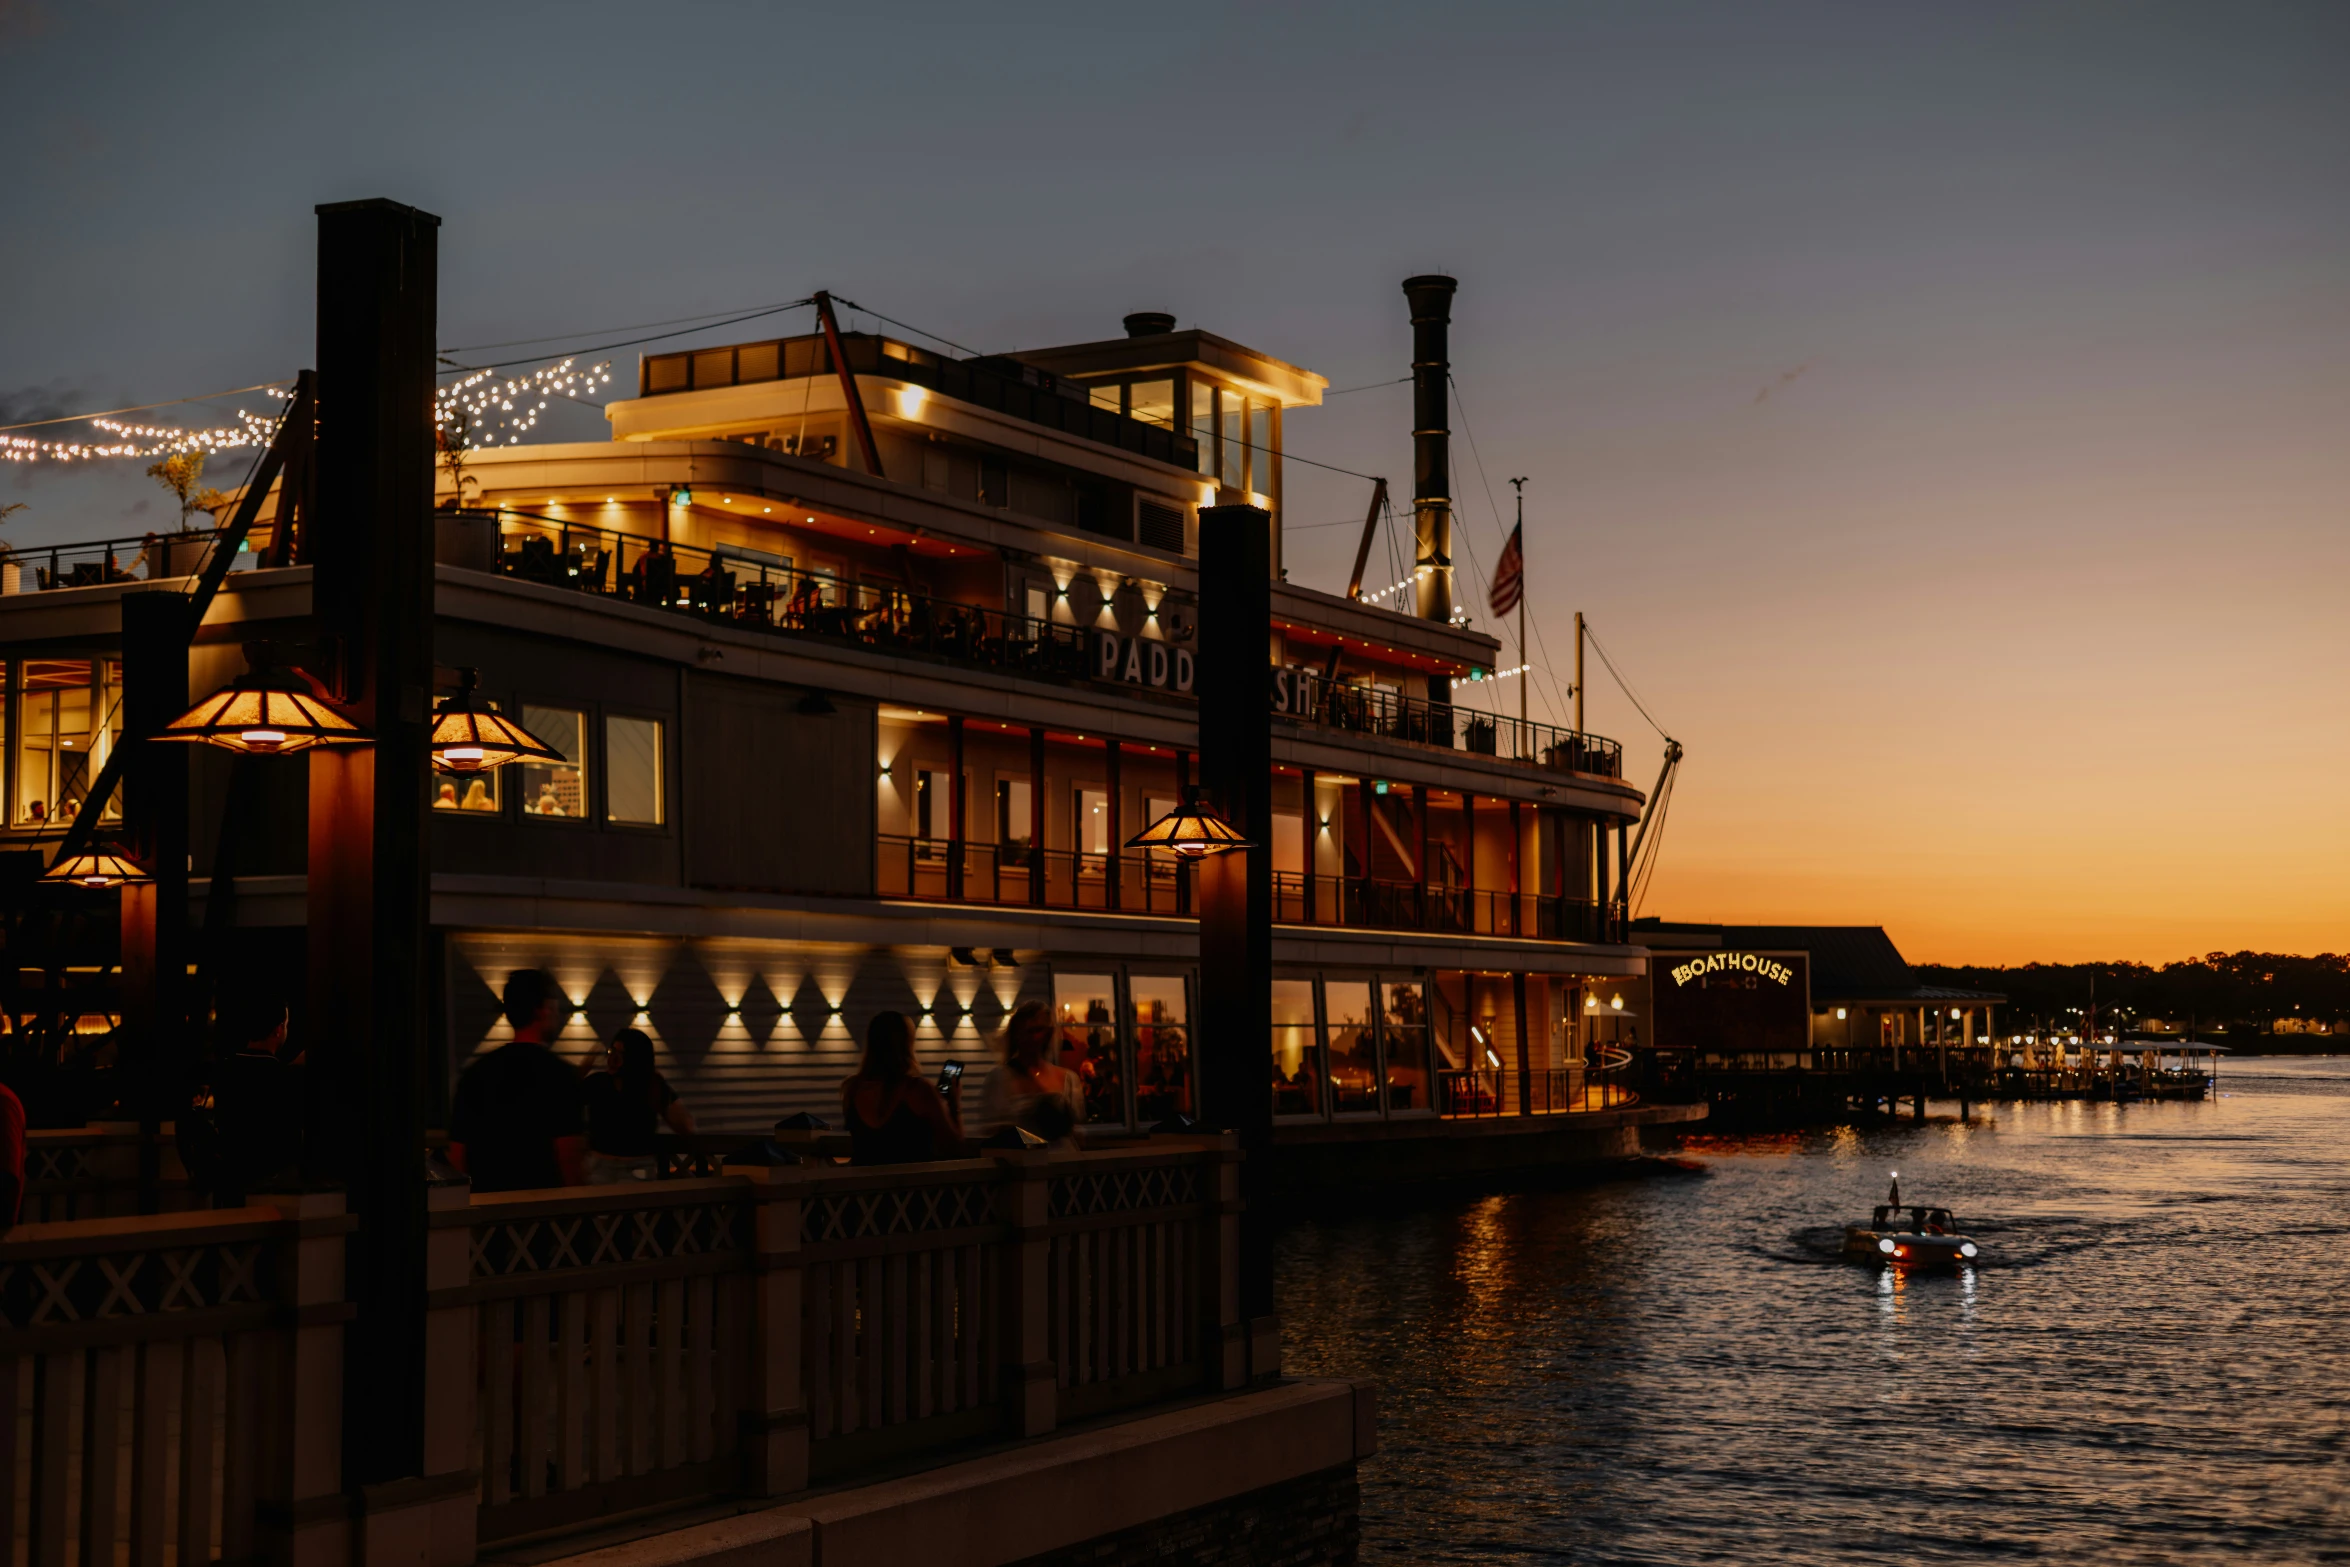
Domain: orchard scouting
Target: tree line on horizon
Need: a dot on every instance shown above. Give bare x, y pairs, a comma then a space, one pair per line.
2216, 991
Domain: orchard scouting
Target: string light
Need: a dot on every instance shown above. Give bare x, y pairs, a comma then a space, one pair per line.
475, 411
146, 440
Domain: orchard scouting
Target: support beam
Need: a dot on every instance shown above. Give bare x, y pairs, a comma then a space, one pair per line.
369, 879
157, 1060
1236, 889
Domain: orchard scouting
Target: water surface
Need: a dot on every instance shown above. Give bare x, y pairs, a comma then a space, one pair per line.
2150, 1367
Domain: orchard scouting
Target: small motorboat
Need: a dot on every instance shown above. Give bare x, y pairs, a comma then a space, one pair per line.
1915, 1236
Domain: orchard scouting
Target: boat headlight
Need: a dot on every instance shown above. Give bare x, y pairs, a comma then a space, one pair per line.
1967, 1249
1886, 1247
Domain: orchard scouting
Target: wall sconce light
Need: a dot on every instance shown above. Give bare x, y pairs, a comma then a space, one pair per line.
1839, 1014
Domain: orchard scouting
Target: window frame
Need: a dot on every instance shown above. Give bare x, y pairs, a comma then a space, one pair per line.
663, 725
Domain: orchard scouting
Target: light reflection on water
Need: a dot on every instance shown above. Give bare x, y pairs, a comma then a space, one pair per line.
1675, 1368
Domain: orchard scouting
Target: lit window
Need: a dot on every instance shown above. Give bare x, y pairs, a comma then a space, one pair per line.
1153, 402
1162, 1048
477, 792
1354, 1056
556, 789
632, 771
1297, 1064
1404, 1020
59, 750
1089, 1042
1203, 425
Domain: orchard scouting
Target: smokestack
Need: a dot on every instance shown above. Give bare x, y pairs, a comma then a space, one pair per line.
1431, 301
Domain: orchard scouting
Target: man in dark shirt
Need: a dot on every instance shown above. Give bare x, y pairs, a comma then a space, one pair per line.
516, 1122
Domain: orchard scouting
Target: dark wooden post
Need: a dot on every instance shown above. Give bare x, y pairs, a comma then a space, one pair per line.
1039, 888
1525, 1056
155, 821
1469, 861
369, 882
1420, 807
1517, 851
957, 806
1236, 888
1312, 834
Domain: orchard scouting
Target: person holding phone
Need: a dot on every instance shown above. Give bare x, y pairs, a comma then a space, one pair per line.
894, 1116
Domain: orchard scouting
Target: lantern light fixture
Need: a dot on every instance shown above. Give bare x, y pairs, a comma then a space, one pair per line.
97, 870
267, 711
1193, 830
469, 734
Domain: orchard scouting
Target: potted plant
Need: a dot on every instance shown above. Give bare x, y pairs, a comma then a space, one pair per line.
181, 554
11, 569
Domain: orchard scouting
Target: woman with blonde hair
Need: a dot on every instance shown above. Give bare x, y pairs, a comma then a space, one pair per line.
1029, 1090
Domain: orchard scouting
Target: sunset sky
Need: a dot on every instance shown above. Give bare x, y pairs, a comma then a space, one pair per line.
1943, 413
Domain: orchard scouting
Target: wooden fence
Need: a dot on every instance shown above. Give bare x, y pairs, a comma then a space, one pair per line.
160, 1378
174, 1380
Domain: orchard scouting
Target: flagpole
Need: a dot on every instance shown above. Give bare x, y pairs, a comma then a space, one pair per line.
1525, 747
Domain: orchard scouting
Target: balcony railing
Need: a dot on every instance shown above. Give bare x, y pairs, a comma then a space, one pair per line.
1448, 726
1017, 876
1005, 385
1480, 1092
91, 563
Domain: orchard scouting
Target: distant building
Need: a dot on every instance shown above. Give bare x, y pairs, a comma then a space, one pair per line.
1798, 995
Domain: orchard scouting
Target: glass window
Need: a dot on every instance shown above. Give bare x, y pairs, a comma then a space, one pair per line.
1109, 396
1092, 807
1203, 424
556, 788
1289, 843
1234, 456
633, 772
1162, 862
1082, 1004
1152, 401
59, 750
1260, 455
1162, 1047
1354, 1051
1403, 1019
1297, 1068
476, 792
1012, 820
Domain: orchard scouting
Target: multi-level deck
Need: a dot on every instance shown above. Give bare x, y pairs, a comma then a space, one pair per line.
839, 741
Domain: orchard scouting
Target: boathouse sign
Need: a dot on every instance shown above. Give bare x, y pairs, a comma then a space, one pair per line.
1759, 964
1733, 1003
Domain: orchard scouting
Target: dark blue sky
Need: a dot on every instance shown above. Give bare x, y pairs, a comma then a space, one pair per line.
1939, 409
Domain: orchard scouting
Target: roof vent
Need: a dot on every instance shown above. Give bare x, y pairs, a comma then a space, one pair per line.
1149, 323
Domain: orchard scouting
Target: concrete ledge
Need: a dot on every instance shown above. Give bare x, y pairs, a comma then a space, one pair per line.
1066, 1490
771, 1538
1040, 1496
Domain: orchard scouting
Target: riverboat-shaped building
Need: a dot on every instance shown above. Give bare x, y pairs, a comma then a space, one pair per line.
864, 663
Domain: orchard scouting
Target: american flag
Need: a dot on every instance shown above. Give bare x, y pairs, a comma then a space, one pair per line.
1509, 575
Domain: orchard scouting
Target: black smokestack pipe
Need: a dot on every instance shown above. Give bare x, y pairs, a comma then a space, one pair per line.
1431, 301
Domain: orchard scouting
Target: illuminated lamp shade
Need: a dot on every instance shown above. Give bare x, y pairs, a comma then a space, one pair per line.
1193, 830
96, 871
471, 736
265, 712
